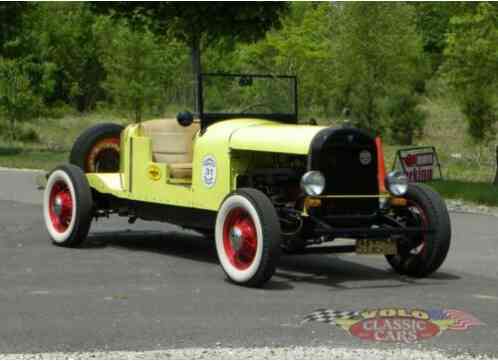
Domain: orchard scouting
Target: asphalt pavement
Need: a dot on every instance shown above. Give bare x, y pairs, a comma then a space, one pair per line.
152, 286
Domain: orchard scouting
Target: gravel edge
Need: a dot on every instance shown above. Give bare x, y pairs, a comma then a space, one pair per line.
293, 352
460, 206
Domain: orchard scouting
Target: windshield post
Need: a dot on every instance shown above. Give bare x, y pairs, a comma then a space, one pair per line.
200, 103
295, 98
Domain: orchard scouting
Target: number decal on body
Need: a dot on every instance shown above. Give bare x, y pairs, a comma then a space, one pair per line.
208, 171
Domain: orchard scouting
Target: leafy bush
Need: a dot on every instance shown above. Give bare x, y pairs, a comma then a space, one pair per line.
27, 134
350, 55
140, 66
61, 34
303, 46
379, 53
22, 132
480, 112
404, 118
18, 102
471, 68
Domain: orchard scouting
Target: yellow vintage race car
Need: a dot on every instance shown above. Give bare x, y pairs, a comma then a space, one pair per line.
252, 177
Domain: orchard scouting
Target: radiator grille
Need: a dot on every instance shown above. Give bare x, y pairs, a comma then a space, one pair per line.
349, 162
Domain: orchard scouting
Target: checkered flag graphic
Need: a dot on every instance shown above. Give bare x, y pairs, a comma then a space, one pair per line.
331, 316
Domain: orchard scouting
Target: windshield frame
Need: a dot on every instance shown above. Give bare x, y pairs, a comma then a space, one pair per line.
206, 118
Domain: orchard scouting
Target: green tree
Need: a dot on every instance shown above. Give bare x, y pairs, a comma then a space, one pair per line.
139, 69
203, 22
11, 16
471, 68
432, 21
18, 101
379, 54
404, 117
61, 34
302, 46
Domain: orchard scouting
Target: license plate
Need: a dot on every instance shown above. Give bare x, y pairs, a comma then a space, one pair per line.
369, 246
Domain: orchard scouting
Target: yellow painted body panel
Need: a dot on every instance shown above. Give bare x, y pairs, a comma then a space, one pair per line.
106, 182
136, 181
215, 142
275, 137
223, 144
141, 179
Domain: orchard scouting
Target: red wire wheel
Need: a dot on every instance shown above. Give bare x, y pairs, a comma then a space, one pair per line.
104, 156
422, 254
247, 237
67, 205
240, 238
420, 221
60, 206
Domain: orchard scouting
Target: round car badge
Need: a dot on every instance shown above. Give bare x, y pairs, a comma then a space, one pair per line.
208, 171
365, 157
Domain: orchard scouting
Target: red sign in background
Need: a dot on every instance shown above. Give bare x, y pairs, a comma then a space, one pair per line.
419, 167
418, 163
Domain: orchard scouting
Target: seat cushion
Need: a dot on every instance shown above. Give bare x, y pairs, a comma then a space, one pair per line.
180, 170
171, 142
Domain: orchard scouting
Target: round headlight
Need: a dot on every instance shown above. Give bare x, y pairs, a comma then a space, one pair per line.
397, 183
313, 183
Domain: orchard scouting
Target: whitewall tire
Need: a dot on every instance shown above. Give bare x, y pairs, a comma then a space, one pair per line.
247, 236
67, 206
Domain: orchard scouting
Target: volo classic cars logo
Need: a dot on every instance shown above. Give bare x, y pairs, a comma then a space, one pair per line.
396, 324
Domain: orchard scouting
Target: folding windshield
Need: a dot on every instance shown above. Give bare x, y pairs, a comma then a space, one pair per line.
225, 96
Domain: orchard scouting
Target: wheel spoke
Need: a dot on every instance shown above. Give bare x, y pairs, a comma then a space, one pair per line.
240, 240
60, 206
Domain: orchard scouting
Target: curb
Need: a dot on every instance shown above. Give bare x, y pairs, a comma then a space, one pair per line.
20, 169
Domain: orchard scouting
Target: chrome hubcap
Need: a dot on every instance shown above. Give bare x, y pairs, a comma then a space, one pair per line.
58, 205
236, 238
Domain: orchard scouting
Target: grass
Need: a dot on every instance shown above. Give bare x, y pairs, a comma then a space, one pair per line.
31, 158
475, 192
57, 136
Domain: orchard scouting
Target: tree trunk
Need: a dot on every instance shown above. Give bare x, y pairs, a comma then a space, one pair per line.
137, 110
12, 129
405, 137
495, 182
196, 70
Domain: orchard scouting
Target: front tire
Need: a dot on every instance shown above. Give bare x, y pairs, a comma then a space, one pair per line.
67, 206
247, 236
424, 253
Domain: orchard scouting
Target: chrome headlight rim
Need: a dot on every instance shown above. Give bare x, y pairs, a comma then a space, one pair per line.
313, 183
397, 183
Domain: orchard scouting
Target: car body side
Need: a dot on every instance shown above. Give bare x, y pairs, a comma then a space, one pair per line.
233, 144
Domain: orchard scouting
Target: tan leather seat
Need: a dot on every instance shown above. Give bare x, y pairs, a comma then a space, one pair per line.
172, 144
180, 170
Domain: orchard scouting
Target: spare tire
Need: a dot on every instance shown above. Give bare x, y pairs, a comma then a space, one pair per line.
97, 149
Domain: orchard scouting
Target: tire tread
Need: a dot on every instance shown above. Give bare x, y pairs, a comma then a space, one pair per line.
271, 235
84, 209
86, 140
439, 221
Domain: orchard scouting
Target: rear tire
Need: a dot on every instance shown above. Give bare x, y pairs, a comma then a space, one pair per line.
247, 237
67, 206
430, 252
97, 149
